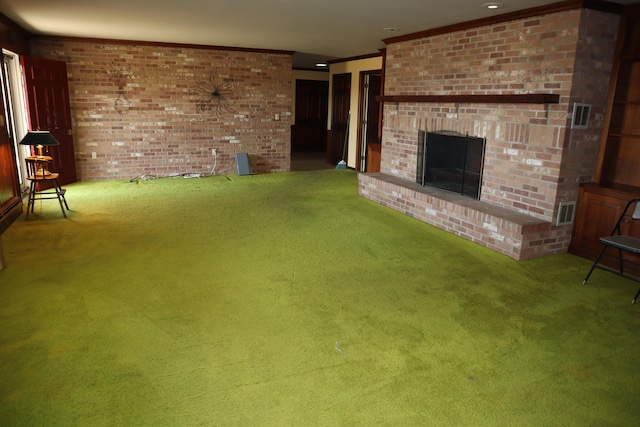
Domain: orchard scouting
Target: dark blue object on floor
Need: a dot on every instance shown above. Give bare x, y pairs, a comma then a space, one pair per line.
242, 162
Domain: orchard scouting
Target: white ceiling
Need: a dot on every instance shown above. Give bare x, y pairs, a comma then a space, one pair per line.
314, 29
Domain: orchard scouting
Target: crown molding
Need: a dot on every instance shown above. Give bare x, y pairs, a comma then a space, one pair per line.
159, 44
603, 6
355, 58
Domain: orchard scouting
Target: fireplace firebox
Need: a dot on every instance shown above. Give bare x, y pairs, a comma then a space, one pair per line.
451, 161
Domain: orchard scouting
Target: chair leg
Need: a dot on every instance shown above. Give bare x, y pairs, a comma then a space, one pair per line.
633, 301
31, 200
33, 193
593, 267
60, 195
64, 199
620, 258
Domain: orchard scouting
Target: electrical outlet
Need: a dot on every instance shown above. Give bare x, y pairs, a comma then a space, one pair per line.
214, 151
94, 155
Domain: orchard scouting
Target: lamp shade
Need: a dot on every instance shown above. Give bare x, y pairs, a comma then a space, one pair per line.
39, 137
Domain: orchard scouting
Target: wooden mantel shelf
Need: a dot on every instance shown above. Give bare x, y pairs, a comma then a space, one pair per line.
525, 98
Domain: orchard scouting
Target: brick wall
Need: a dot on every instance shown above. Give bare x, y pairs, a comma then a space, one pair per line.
136, 108
533, 159
590, 84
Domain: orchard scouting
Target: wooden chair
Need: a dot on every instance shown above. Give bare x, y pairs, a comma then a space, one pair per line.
623, 242
44, 184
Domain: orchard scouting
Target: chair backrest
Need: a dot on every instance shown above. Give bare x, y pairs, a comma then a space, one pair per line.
627, 213
636, 211
37, 169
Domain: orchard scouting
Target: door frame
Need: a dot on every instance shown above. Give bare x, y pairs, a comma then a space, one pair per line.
363, 112
16, 117
340, 111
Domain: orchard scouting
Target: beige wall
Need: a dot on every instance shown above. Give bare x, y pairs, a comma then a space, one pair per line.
355, 68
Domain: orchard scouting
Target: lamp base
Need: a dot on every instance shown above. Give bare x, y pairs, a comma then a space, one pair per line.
42, 172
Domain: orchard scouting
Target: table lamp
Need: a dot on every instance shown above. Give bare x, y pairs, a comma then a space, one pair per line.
39, 139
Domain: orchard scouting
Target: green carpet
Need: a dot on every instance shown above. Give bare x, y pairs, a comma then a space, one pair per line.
288, 300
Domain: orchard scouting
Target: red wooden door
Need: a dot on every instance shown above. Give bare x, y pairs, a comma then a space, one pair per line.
47, 93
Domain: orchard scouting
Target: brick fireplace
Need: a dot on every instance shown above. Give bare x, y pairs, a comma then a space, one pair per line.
534, 161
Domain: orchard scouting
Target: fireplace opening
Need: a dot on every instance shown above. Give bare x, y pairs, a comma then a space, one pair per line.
451, 161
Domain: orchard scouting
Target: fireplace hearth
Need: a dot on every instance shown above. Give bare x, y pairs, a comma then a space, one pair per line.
450, 161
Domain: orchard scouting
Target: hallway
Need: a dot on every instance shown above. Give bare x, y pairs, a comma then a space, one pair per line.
309, 162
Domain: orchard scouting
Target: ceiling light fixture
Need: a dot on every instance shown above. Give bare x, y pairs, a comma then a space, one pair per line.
390, 29
492, 5
321, 64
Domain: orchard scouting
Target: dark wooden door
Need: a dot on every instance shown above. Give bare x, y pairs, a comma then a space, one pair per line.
47, 93
373, 112
312, 109
339, 116
9, 187
9, 182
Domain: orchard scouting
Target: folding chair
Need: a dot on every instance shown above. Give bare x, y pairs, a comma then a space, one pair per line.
622, 242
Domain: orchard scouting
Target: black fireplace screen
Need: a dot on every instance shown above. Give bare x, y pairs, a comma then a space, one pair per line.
451, 161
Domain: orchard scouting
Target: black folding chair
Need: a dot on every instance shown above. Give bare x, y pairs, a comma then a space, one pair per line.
622, 242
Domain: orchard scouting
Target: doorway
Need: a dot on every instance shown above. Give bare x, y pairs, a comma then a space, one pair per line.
310, 128
13, 123
340, 104
369, 132
15, 110
309, 131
